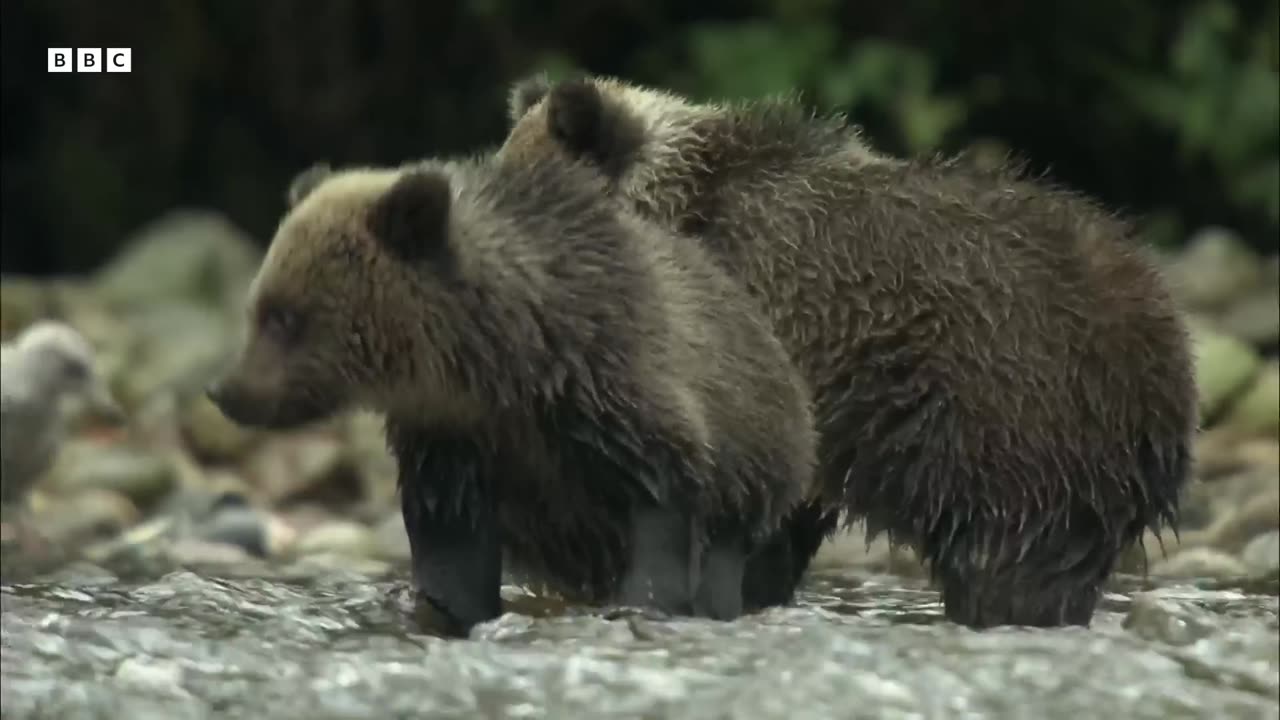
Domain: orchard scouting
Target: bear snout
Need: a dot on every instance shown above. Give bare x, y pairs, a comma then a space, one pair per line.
234, 402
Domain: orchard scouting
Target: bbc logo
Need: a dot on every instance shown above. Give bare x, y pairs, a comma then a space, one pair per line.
90, 60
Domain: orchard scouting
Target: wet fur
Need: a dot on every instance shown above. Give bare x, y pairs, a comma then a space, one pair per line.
1000, 376
555, 374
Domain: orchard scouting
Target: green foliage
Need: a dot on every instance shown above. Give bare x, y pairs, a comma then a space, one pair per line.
755, 59
1220, 96
899, 81
1166, 109
1198, 76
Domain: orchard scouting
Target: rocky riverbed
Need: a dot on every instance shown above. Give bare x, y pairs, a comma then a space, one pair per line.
189, 568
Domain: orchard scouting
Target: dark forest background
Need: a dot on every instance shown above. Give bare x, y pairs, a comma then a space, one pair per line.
1165, 108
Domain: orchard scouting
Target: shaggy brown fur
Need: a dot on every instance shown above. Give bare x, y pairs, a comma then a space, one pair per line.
1000, 376
563, 383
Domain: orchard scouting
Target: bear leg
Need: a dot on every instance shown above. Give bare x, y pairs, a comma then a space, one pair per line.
457, 565
1051, 581
719, 594
663, 564
983, 602
775, 570
766, 580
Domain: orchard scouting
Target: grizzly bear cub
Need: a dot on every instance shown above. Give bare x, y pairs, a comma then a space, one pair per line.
564, 385
1000, 377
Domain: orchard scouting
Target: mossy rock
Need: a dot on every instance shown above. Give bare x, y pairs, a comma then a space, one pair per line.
1224, 366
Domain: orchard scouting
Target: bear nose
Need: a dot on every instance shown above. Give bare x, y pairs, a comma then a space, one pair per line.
216, 392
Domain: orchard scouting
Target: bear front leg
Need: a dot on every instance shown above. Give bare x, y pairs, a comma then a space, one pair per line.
767, 577
450, 515
720, 588
663, 568
457, 565
776, 569
1048, 581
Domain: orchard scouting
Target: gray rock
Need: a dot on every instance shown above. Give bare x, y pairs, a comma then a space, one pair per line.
80, 574
336, 566
1220, 452
1200, 562
197, 553
237, 525
1215, 268
1224, 366
1164, 621
1257, 411
1262, 554
301, 466
151, 675
141, 475
391, 542
91, 514
1238, 525
367, 447
186, 256
339, 537
1255, 318
176, 348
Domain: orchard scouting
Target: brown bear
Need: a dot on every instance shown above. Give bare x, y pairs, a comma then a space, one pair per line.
1000, 377
564, 384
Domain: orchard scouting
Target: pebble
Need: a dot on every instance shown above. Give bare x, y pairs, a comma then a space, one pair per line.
390, 539
295, 466
1164, 621
338, 537
1200, 562
152, 674
1254, 318
367, 447
1223, 367
186, 255
337, 566
138, 474
176, 349
90, 514
1214, 268
238, 526
1262, 554
189, 552
1257, 411
1238, 525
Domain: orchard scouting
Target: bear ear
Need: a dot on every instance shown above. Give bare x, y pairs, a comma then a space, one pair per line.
306, 181
411, 219
588, 125
525, 94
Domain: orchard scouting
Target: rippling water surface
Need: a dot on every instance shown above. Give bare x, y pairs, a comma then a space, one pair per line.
190, 646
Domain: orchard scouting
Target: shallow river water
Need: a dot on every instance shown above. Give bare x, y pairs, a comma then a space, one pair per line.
856, 646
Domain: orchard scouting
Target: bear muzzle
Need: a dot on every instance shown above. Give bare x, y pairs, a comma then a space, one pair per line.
234, 402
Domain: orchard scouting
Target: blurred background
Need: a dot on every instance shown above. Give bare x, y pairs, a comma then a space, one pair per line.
1164, 107
136, 206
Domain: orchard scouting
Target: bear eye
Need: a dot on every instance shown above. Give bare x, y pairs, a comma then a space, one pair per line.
281, 323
